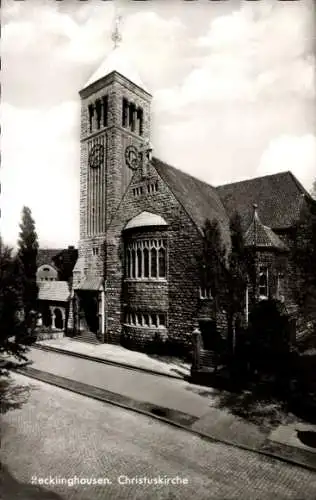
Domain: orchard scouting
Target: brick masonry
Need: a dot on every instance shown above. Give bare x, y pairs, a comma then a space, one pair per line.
179, 294
104, 188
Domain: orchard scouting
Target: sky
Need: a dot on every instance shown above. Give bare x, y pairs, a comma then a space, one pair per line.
233, 85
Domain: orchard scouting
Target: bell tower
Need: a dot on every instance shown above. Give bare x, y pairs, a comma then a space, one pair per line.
115, 124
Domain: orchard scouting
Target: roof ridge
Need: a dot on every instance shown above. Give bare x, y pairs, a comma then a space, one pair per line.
184, 173
170, 187
207, 202
277, 174
299, 185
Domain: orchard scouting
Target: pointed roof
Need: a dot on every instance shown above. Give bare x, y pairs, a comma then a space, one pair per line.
117, 61
258, 235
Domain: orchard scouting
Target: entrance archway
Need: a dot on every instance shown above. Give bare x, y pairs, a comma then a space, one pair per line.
89, 309
59, 322
271, 333
46, 316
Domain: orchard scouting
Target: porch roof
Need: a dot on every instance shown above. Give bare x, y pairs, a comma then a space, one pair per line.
57, 291
91, 283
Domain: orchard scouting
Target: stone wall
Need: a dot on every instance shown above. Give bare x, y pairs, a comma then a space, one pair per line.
113, 176
180, 293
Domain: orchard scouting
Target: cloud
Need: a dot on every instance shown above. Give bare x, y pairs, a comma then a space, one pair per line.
297, 154
40, 169
261, 51
224, 87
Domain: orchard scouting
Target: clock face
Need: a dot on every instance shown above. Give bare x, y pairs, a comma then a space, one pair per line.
132, 157
96, 156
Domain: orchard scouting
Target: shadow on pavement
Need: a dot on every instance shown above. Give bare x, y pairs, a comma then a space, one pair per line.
11, 489
255, 407
12, 395
307, 437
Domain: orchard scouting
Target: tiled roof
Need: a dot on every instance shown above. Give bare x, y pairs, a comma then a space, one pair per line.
54, 290
145, 219
91, 283
200, 200
262, 236
279, 199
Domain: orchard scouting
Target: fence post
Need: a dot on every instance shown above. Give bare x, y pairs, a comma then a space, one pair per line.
197, 345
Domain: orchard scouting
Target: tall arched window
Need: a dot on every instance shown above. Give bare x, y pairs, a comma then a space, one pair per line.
153, 255
105, 102
263, 281
128, 264
132, 113
139, 263
146, 259
162, 263
91, 113
98, 108
140, 120
124, 112
146, 263
133, 264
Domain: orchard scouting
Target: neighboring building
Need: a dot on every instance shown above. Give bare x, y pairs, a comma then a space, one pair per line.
54, 278
137, 276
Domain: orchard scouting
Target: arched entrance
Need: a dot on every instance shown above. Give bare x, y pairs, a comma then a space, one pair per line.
46, 316
89, 309
59, 322
270, 334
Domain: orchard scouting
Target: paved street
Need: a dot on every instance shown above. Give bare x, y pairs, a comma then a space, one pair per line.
197, 407
133, 384
58, 434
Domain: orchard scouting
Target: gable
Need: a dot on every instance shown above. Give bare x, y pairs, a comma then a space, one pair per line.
148, 201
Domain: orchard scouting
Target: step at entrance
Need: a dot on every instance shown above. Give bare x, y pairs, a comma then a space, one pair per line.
88, 337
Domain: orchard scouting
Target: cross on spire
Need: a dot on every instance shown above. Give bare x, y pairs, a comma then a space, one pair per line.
116, 35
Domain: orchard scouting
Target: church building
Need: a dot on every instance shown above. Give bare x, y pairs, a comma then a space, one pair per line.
137, 276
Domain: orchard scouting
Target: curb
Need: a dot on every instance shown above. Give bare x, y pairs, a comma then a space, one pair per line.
83, 390
107, 361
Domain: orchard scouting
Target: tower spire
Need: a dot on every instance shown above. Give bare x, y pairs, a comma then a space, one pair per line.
116, 34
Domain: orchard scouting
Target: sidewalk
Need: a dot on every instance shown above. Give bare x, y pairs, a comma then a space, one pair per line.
197, 409
118, 355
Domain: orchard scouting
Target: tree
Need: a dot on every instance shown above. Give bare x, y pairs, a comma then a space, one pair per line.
304, 257
213, 275
27, 256
238, 270
237, 276
12, 326
313, 193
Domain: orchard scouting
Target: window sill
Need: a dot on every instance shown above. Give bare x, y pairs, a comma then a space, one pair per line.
263, 297
145, 280
146, 327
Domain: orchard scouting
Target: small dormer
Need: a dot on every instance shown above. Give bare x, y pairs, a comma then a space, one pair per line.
46, 272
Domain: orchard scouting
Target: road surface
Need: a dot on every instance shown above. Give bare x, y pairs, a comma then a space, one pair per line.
53, 436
